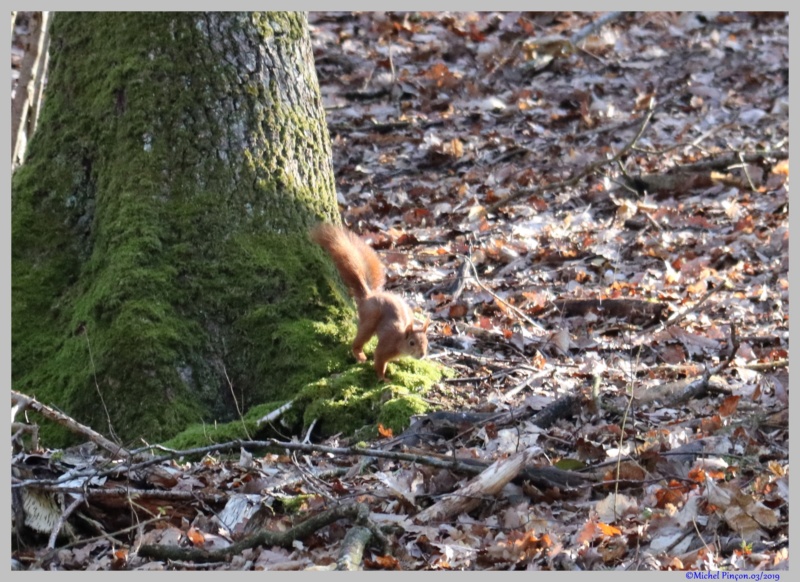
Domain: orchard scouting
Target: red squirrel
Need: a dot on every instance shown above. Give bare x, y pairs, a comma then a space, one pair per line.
380, 312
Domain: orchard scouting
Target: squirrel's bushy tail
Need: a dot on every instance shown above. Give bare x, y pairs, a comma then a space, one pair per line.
358, 265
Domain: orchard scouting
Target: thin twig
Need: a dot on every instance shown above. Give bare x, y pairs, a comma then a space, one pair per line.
496, 297
731, 355
594, 25
502, 62
114, 534
674, 320
236, 402
62, 519
308, 477
588, 170
308, 432
391, 65
368, 80
111, 431
746, 172
694, 143
629, 404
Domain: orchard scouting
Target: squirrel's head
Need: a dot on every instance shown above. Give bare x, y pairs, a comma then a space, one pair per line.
416, 339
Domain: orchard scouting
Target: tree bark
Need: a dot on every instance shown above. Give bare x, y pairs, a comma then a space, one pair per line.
161, 272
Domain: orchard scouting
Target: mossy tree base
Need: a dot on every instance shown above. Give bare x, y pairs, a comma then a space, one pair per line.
161, 272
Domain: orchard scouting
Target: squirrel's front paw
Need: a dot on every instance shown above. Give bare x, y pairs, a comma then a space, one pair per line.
360, 356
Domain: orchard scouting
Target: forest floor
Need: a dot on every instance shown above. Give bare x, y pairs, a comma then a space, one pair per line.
599, 231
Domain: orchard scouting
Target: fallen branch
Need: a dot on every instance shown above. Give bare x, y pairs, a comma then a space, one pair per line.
275, 414
356, 512
23, 401
734, 159
21, 428
128, 492
446, 424
353, 546
547, 476
685, 178
675, 393
767, 366
488, 484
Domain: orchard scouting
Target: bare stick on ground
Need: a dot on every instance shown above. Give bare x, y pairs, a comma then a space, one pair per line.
487, 484
70, 423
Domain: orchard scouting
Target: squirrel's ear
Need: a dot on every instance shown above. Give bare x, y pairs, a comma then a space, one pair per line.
427, 323
410, 329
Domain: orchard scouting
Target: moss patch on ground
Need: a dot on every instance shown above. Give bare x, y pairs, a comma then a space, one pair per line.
350, 402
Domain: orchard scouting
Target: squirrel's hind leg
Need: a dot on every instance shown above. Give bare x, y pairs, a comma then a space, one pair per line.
367, 326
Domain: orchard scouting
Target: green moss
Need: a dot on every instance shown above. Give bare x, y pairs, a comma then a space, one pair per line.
295, 504
280, 25
202, 434
346, 402
395, 413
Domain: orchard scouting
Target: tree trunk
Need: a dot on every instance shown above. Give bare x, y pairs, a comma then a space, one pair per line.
161, 273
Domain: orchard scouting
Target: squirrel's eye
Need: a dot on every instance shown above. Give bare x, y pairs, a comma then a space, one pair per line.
412, 342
